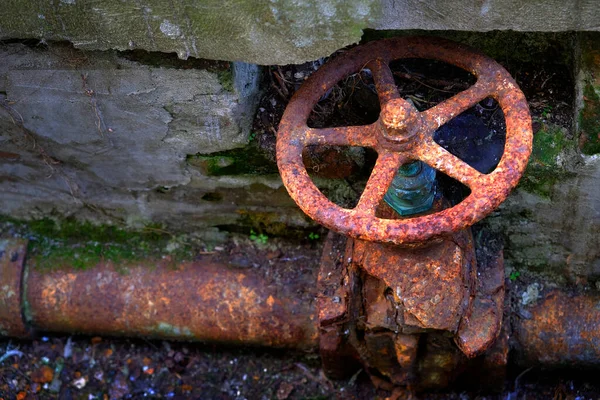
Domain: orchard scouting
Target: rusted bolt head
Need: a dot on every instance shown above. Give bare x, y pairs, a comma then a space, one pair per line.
400, 119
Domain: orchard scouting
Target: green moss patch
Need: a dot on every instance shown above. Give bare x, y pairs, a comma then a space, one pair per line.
82, 245
226, 79
547, 164
589, 121
249, 160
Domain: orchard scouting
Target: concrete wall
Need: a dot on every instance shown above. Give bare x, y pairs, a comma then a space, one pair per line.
99, 136
276, 31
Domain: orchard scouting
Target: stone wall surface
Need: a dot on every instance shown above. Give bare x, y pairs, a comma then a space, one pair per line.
107, 139
551, 223
265, 32
275, 31
556, 235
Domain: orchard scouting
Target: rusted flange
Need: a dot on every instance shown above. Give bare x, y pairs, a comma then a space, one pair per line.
402, 134
12, 256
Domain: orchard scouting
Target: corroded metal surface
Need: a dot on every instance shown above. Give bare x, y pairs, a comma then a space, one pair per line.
338, 357
482, 323
405, 295
12, 256
402, 134
427, 285
207, 302
560, 330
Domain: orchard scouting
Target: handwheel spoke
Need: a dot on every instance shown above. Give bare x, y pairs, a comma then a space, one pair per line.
439, 158
385, 170
450, 108
364, 136
384, 81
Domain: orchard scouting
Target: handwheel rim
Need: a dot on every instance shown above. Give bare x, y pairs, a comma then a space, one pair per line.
488, 192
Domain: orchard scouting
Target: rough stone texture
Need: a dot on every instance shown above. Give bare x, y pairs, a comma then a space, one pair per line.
488, 15
552, 221
587, 111
268, 32
104, 138
275, 31
560, 235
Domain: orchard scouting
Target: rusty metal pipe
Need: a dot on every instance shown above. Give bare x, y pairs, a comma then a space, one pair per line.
205, 302
213, 302
560, 331
12, 257
191, 301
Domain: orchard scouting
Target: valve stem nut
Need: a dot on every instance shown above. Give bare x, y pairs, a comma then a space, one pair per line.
401, 120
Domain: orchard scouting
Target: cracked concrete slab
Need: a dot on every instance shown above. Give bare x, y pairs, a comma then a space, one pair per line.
103, 132
276, 31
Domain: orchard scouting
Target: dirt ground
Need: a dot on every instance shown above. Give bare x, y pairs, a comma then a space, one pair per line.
65, 367
75, 367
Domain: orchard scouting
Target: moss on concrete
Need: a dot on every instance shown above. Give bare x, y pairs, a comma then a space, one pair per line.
258, 32
589, 121
588, 93
226, 80
549, 161
82, 245
249, 160
268, 223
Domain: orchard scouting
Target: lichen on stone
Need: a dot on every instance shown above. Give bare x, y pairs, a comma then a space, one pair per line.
552, 159
83, 245
589, 121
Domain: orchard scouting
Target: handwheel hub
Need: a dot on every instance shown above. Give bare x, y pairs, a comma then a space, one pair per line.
401, 121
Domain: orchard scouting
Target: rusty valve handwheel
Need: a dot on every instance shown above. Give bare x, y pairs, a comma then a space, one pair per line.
402, 134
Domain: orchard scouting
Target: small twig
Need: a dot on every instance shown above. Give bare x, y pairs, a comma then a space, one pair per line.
354, 377
17, 371
517, 381
92, 95
279, 92
418, 100
281, 82
492, 117
322, 380
18, 121
150, 343
546, 80
11, 353
440, 82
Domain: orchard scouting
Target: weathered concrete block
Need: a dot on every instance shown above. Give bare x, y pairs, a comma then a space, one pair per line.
123, 123
552, 221
93, 138
587, 106
276, 31
556, 235
489, 15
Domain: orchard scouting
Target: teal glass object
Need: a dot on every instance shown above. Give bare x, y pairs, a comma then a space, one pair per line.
413, 189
